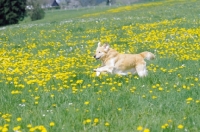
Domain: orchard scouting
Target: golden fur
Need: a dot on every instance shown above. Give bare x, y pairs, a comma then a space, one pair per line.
116, 63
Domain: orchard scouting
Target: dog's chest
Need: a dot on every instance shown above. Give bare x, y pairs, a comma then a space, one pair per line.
110, 62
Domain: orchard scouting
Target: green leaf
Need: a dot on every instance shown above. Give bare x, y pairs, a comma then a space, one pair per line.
13, 3
6, 9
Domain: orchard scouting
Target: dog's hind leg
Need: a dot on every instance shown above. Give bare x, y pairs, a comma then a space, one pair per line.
141, 69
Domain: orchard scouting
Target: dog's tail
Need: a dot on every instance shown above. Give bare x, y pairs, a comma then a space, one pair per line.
147, 55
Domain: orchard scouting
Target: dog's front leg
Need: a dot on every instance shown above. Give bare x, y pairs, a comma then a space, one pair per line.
98, 73
103, 69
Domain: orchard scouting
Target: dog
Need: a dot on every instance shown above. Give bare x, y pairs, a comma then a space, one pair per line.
123, 64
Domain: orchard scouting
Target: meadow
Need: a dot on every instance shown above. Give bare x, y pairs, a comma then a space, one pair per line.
47, 81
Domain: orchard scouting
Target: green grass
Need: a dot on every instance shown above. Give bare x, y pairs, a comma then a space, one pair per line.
47, 73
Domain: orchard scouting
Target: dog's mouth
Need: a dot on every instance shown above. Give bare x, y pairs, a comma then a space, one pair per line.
97, 57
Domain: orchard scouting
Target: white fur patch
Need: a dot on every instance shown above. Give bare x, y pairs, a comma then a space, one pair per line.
112, 62
132, 71
98, 73
142, 73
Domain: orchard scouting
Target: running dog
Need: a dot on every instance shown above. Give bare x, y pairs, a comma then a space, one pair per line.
123, 64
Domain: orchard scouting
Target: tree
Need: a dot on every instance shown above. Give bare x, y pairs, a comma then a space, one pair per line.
36, 12
12, 11
108, 2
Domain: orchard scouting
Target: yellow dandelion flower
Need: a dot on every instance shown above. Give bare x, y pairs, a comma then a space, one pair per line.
160, 89
87, 102
154, 97
29, 125
180, 126
119, 109
107, 124
146, 130
119, 84
169, 121
189, 99
19, 119
16, 128
139, 128
157, 85
4, 129
8, 120
51, 124
88, 120
96, 120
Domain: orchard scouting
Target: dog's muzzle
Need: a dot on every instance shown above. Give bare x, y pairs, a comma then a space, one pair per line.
96, 57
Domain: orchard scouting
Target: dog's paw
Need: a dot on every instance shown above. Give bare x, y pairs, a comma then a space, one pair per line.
98, 73
97, 70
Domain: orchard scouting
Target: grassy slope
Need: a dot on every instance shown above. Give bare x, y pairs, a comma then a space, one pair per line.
42, 54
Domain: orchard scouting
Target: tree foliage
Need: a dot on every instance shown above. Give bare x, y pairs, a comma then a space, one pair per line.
36, 12
12, 11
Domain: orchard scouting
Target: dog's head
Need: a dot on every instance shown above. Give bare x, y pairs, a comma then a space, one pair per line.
101, 51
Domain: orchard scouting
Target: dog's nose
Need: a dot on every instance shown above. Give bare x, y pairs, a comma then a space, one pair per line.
94, 56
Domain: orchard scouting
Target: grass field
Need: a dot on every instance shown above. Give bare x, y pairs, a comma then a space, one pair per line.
47, 81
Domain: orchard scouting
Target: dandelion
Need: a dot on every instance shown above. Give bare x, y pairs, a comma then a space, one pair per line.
169, 121
146, 130
19, 119
160, 89
139, 128
119, 84
189, 99
37, 97
157, 85
180, 126
119, 109
8, 120
16, 128
88, 120
4, 129
54, 105
163, 126
51, 124
29, 125
107, 124
154, 97
87, 102
96, 120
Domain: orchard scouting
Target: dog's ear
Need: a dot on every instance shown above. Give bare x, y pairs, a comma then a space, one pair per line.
99, 44
106, 47
105, 44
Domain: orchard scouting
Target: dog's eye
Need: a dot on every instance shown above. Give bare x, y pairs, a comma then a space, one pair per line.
99, 52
